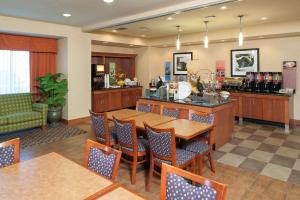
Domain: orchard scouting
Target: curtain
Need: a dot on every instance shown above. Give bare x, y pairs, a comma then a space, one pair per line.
40, 65
14, 72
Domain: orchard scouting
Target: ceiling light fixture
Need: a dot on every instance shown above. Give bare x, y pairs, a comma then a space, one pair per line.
66, 15
178, 43
114, 31
143, 35
223, 7
263, 18
170, 18
108, 1
241, 34
206, 35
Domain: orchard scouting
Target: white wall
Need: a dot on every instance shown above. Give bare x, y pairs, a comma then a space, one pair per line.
272, 53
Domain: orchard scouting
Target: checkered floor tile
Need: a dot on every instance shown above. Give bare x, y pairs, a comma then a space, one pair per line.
264, 149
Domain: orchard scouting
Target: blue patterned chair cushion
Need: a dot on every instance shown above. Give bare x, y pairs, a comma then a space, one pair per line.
171, 113
98, 125
7, 155
209, 119
161, 143
196, 146
179, 188
124, 133
144, 108
112, 135
143, 145
101, 163
182, 156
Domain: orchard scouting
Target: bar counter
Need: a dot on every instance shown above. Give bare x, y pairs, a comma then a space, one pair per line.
223, 115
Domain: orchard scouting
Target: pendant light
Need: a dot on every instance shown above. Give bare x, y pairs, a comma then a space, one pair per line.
241, 34
206, 35
178, 43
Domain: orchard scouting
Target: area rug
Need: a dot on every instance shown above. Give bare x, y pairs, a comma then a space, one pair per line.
36, 136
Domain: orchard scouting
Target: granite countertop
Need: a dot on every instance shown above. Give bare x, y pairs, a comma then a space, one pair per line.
189, 102
120, 88
262, 93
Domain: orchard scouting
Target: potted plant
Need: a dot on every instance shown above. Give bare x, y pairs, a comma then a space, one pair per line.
53, 89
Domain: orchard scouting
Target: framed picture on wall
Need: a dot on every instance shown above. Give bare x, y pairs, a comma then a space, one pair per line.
180, 61
244, 60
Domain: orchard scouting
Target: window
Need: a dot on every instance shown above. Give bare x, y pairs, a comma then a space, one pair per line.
14, 72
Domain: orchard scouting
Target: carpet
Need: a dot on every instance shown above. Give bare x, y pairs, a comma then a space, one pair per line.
36, 136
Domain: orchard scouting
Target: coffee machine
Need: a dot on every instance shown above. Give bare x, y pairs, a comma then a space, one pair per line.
268, 82
259, 80
97, 76
277, 81
249, 82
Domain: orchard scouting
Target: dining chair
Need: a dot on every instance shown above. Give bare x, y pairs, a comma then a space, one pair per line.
9, 152
143, 107
135, 148
170, 112
102, 159
104, 134
201, 145
174, 185
163, 150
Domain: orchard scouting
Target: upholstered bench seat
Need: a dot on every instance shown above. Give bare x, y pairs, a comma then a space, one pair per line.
3, 120
23, 117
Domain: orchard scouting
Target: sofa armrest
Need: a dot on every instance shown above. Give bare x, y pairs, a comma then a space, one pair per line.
43, 108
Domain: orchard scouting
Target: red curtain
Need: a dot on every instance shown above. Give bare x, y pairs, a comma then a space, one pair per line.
40, 65
42, 53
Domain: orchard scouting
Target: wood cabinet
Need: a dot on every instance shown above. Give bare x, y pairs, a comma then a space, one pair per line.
268, 107
114, 99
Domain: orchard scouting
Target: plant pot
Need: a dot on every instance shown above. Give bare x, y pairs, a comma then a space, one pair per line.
54, 115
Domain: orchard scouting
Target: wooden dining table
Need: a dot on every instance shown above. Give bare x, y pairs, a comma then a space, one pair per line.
50, 176
123, 114
186, 129
116, 192
152, 119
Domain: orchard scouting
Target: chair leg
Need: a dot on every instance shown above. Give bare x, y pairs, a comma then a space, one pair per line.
44, 128
200, 160
211, 161
134, 166
151, 170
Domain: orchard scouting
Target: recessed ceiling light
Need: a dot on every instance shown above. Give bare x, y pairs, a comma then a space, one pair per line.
114, 31
132, 45
104, 42
170, 18
143, 35
223, 40
177, 12
66, 15
108, 1
223, 7
263, 18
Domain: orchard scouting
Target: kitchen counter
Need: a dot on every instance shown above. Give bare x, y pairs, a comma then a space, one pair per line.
262, 93
223, 113
120, 88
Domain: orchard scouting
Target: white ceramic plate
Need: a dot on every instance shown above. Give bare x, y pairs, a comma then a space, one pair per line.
184, 90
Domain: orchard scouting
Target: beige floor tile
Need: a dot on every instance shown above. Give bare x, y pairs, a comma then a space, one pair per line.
227, 147
297, 165
262, 133
294, 138
250, 144
232, 159
274, 141
288, 152
276, 171
261, 156
242, 135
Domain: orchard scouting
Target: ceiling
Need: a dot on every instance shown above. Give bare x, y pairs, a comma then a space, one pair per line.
192, 21
84, 12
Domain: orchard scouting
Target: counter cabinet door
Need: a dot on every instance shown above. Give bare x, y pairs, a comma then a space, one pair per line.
126, 99
100, 102
252, 107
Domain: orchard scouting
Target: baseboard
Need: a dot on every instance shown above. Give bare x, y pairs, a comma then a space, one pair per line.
71, 122
296, 122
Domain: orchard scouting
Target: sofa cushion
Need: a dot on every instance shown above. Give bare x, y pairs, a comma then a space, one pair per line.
14, 103
23, 117
3, 120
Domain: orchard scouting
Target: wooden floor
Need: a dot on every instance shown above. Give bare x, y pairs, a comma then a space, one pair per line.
242, 184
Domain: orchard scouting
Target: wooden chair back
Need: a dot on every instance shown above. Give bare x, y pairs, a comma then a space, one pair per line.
168, 111
139, 105
106, 134
206, 116
154, 144
16, 143
107, 151
221, 189
132, 134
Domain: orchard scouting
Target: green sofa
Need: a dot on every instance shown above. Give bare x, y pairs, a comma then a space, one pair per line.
17, 111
